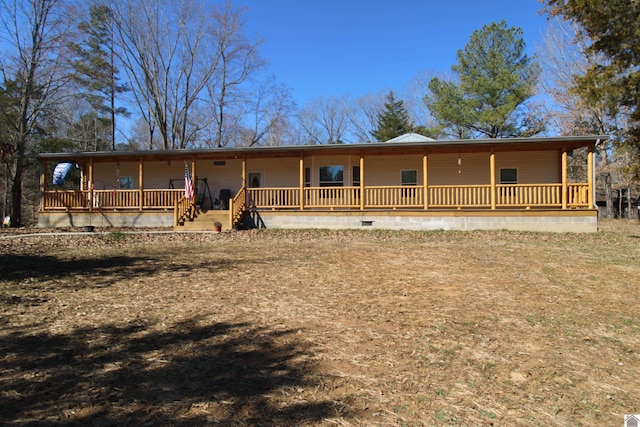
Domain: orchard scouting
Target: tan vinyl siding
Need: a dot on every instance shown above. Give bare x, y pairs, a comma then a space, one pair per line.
387, 170
107, 177
219, 177
472, 170
284, 172
534, 167
157, 174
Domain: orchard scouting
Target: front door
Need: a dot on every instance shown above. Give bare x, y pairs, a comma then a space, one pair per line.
254, 180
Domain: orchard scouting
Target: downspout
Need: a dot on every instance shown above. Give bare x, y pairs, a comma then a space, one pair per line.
565, 193
594, 175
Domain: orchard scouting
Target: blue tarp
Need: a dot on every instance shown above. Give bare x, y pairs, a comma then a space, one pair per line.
60, 172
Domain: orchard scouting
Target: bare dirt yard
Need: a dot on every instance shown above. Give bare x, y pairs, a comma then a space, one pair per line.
328, 328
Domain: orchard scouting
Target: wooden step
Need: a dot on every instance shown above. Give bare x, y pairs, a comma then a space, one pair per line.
205, 221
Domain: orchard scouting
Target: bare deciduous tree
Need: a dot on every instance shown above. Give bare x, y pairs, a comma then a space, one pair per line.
148, 36
265, 115
33, 33
414, 100
172, 53
325, 120
363, 115
238, 60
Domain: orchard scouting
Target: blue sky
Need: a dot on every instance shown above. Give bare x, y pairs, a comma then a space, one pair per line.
355, 47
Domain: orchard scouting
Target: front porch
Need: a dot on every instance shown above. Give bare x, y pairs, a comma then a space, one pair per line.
514, 178
168, 207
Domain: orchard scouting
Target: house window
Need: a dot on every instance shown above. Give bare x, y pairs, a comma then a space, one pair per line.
355, 176
410, 177
126, 182
332, 176
307, 177
508, 176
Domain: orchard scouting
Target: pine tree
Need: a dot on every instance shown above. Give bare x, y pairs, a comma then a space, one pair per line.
613, 28
95, 68
495, 79
393, 121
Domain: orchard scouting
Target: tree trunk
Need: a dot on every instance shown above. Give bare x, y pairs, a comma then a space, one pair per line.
5, 195
629, 202
620, 193
16, 189
608, 196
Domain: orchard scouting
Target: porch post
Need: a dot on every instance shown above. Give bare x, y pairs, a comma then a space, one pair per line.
301, 195
425, 180
564, 178
193, 172
492, 169
91, 189
590, 171
244, 172
82, 179
141, 181
362, 182
43, 184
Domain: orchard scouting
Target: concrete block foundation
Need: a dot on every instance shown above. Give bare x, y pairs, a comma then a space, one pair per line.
572, 221
543, 221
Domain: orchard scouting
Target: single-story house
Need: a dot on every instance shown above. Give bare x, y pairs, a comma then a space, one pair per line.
411, 182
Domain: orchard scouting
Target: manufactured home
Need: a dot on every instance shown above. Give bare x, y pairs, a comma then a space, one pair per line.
411, 182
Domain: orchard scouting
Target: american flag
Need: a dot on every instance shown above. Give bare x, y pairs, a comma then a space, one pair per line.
188, 183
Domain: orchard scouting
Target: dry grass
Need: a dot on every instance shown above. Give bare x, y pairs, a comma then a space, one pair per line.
321, 328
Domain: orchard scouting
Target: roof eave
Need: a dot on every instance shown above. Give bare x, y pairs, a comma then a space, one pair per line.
570, 142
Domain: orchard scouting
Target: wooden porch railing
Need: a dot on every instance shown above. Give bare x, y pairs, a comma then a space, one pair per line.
459, 196
331, 197
541, 195
116, 199
110, 199
578, 195
516, 196
390, 197
65, 200
161, 199
529, 195
273, 198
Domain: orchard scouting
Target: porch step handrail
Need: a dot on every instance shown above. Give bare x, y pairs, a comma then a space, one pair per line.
185, 210
238, 206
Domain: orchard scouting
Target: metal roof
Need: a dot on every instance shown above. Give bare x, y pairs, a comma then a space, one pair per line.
400, 147
411, 137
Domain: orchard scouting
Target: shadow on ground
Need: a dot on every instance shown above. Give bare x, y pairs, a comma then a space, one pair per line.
93, 272
191, 373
